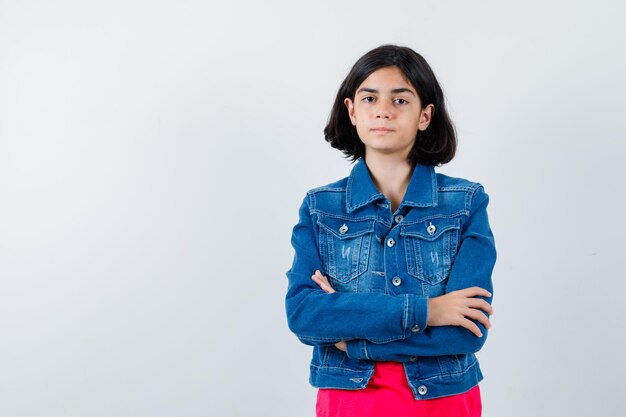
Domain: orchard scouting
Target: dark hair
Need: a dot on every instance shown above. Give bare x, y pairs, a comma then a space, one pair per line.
434, 146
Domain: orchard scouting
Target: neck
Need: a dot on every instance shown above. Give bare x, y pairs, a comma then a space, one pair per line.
391, 175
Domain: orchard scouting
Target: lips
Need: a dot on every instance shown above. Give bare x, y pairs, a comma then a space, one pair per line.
382, 130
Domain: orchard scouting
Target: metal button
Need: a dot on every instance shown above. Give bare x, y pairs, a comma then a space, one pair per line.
343, 229
399, 218
415, 328
396, 281
422, 389
413, 359
391, 242
431, 229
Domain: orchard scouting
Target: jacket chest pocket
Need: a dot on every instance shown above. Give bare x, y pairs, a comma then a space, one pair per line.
344, 247
430, 247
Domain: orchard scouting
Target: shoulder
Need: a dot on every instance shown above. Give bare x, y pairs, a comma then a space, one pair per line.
471, 191
331, 196
332, 187
327, 198
448, 183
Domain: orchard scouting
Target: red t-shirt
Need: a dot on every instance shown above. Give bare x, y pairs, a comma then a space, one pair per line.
388, 395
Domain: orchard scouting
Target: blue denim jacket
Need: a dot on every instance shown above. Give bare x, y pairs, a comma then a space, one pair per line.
384, 267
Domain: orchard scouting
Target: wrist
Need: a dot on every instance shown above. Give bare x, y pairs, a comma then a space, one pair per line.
432, 311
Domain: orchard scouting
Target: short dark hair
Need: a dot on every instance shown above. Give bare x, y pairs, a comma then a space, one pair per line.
434, 146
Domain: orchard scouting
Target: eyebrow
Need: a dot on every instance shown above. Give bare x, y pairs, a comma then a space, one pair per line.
394, 91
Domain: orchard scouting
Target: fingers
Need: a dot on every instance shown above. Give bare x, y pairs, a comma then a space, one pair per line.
472, 327
479, 317
322, 282
341, 346
480, 304
461, 308
475, 308
474, 292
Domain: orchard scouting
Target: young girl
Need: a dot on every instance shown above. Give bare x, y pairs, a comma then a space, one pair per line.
391, 279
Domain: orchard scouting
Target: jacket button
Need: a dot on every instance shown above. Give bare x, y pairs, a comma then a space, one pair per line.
422, 389
415, 328
343, 229
399, 218
391, 242
431, 229
396, 281
413, 359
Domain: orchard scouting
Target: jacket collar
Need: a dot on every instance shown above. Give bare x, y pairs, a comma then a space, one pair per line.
421, 192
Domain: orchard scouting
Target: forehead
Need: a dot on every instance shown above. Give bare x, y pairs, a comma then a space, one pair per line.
387, 78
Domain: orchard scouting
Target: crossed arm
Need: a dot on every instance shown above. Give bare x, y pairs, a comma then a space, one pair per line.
454, 309
457, 323
458, 320
454, 323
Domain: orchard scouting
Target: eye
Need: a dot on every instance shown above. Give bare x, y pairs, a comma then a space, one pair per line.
368, 99
401, 101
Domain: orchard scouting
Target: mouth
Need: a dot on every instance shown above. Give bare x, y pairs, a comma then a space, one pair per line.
382, 130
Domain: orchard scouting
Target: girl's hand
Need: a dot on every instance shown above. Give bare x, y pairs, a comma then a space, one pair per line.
458, 307
322, 281
324, 284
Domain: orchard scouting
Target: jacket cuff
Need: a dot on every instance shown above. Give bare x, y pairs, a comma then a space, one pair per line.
355, 349
416, 314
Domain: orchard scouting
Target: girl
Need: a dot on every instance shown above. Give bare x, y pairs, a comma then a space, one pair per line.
391, 278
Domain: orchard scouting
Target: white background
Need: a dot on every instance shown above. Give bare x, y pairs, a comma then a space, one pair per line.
153, 156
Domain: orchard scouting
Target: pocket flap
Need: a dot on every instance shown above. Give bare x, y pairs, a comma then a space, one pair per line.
343, 229
431, 229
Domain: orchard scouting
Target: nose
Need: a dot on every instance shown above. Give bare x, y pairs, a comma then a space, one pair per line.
384, 110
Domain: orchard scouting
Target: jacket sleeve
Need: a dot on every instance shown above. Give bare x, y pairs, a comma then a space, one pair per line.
473, 266
318, 318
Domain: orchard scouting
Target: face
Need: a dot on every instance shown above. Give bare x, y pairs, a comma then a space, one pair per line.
387, 113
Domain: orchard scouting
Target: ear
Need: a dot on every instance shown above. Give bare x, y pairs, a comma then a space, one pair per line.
350, 105
426, 116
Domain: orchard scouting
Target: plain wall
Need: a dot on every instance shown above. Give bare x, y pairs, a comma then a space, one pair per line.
153, 156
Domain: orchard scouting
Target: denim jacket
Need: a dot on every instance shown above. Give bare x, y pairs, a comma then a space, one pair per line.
384, 266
